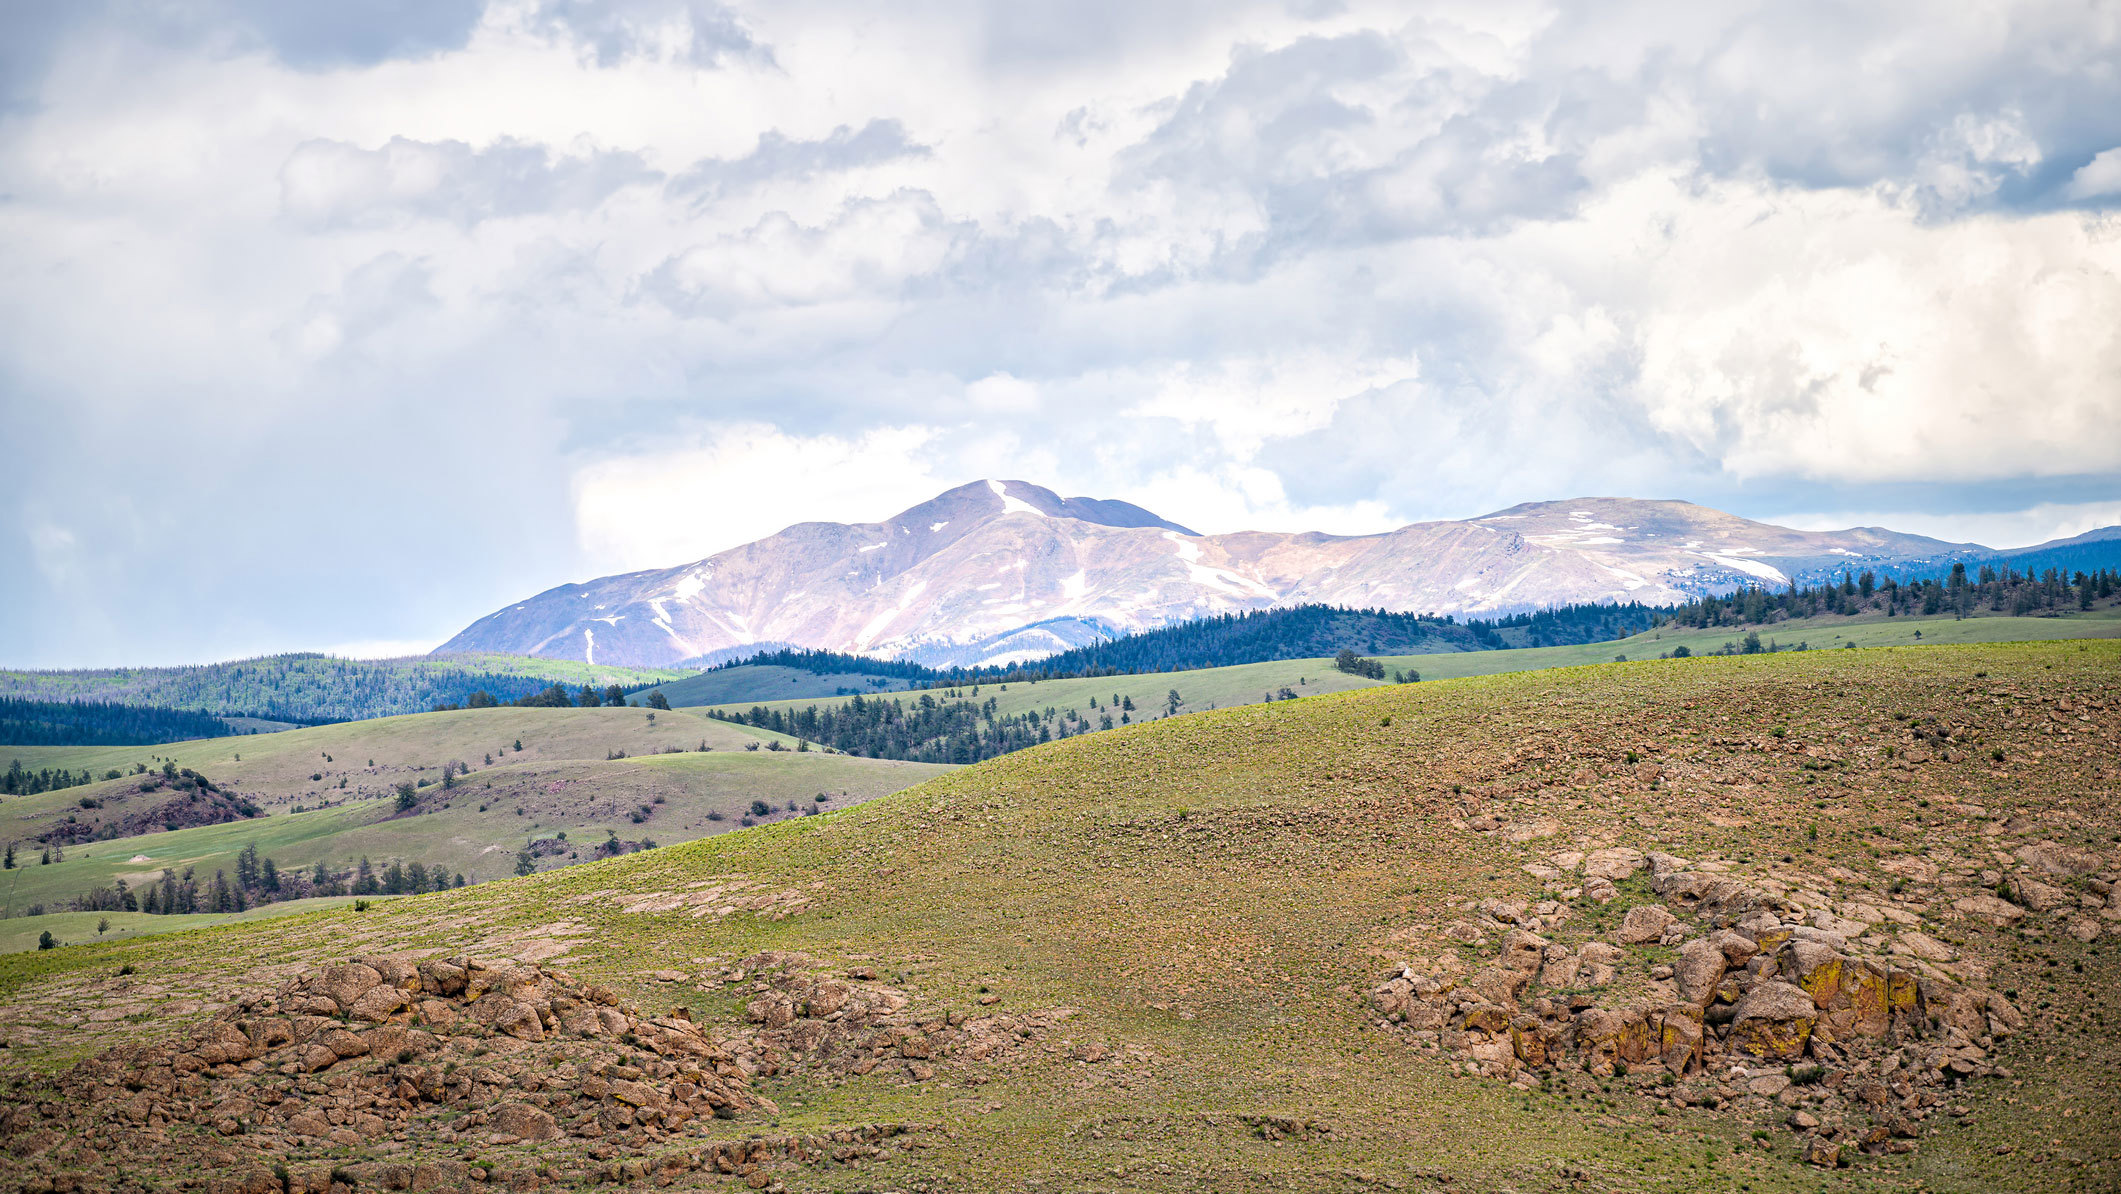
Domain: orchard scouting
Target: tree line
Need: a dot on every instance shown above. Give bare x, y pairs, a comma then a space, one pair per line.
257, 881
26, 722
922, 729
304, 688
556, 696
1257, 636
1997, 590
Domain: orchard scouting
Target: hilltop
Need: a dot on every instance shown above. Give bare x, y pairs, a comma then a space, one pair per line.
1220, 951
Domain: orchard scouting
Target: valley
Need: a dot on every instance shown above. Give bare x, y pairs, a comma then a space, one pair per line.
1153, 959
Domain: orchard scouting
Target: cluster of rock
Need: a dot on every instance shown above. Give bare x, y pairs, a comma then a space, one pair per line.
382, 1053
854, 1024
1760, 987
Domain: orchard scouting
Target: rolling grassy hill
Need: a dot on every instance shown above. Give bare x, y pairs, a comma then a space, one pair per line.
755, 682
561, 782
1169, 936
1224, 687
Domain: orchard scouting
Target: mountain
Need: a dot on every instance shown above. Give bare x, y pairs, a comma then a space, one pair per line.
997, 571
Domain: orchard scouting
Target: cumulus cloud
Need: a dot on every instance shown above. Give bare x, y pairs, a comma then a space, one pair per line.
2097, 178
330, 184
665, 504
1334, 265
780, 158
700, 32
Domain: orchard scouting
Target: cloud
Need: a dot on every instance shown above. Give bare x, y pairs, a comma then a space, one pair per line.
338, 35
330, 184
1331, 265
699, 32
869, 250
2001, 529
2097, 178
778, 158
662, 505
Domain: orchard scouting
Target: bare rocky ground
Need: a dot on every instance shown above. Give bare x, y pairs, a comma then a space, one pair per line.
1839, 923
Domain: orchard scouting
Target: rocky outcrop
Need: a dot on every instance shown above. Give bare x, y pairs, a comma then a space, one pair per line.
804, 1016
1761, 982
376, 1052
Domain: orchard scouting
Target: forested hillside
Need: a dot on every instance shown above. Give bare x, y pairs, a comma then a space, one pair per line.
1987, 590
1315, 631
1297, 632
100, 723
317, 688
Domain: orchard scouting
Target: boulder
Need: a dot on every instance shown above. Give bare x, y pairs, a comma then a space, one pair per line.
1773, 1021
345, 984
1737, 948
1990, 908
1496, 985
1815, 968
1699, 969
2038, 896
378, 1003
1523, 953
1613, 863
343, 1044
503, 1014
2051, 858
1562, 969
1601, 889
1643, 924
1607, 1036
1679, 1037
1924, 946
1765, 928
1664, 864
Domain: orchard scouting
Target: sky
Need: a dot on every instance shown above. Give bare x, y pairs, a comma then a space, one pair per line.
339, 326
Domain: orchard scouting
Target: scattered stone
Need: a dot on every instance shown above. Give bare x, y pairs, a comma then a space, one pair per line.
1644, 923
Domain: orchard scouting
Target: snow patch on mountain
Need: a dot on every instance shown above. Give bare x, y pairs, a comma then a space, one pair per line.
1749, 567
1013, 505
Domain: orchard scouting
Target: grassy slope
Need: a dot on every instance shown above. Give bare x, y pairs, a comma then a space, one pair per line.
1207, 688
1817, 633
1244, 684
1217, 892
70, 928
560, 781
757, 682
281, 764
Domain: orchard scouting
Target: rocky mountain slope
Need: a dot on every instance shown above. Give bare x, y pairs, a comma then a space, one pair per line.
1839, 920
997, 571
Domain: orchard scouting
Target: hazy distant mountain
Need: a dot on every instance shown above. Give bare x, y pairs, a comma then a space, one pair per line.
1003, 570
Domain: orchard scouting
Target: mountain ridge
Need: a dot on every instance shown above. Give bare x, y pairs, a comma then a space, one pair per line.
1000, 571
